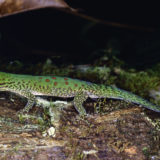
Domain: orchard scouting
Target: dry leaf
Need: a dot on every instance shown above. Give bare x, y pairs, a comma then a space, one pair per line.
8, 7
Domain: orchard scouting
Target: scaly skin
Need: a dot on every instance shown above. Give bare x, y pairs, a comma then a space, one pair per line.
32, 86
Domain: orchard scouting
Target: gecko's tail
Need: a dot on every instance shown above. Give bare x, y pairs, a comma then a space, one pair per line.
117, 93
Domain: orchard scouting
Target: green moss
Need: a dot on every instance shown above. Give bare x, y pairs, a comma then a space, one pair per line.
42, 122
146, 151
79, 156
138, 82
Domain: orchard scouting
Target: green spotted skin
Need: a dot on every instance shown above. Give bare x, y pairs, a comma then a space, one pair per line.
31, 86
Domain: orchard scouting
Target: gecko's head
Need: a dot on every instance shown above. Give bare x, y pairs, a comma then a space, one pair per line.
3, 79
3, 76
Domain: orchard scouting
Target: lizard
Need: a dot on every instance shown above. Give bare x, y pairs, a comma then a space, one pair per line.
30, 87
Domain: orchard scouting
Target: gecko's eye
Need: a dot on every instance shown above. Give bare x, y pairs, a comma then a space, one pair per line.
2, 84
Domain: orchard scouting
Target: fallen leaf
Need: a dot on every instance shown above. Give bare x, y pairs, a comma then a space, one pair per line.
8, 7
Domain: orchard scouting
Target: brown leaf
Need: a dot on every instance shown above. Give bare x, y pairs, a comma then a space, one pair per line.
8, 7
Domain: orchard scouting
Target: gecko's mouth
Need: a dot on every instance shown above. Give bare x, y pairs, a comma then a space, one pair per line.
5, 83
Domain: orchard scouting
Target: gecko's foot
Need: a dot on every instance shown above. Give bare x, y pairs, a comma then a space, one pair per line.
22, 111
84, 118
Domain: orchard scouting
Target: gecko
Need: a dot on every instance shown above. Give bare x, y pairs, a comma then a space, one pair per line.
30, 87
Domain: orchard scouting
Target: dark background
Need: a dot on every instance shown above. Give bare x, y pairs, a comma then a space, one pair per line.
31, 36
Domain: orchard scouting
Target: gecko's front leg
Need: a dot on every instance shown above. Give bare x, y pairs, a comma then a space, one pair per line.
30, 98
79, 98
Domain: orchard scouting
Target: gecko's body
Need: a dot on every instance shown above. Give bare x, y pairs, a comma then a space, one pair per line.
32, 86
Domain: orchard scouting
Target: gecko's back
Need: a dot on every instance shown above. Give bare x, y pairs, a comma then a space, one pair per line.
42, 85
